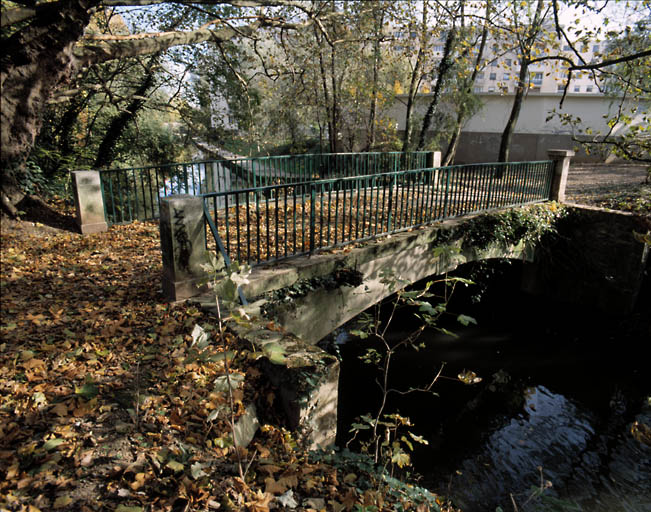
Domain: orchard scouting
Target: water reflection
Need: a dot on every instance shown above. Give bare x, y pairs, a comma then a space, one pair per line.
555, 440
561, 390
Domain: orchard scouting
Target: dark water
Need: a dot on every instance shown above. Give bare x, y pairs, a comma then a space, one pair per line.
561, 389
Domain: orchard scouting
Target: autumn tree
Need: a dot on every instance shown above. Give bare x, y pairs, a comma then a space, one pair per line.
45, 44
622, 74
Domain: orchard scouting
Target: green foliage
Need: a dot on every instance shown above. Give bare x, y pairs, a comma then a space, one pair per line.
370, 476
524, 224
34, 181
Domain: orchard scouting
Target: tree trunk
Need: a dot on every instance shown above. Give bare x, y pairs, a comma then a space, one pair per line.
36, 60
451, 151
379, 23
415, 80
444, 68
526, 46
507, 134
107, 148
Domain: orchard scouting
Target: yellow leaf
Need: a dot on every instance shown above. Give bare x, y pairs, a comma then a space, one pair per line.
138, 482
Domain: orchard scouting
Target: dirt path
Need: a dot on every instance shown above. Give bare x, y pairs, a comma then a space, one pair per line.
588, 182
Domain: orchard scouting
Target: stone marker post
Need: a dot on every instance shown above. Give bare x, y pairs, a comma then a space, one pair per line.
561, 158
89, 202
183, 244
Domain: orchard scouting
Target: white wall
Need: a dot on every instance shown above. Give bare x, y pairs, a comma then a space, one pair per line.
535, 110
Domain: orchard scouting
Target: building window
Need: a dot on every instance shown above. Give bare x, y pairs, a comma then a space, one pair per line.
566, 48
492, 76
480, 75
508, 62
595, 48
537, 78
577, 88
491, 89
478, 88
494, 64
506, 76
588, 88
560, 87
438, 48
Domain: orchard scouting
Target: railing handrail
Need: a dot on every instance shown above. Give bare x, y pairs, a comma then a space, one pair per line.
242, 158
297, 222
324, 181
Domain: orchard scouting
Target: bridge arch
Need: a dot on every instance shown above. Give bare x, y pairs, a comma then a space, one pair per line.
382, 266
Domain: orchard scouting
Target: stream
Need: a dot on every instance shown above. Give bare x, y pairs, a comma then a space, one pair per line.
552, 424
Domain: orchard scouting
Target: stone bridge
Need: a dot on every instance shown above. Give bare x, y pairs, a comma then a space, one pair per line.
598, 262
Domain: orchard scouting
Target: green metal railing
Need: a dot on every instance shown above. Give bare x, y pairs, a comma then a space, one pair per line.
275, 222
135, 193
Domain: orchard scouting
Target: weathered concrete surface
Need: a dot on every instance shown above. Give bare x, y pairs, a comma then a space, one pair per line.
183, 246
307, 377
89, 202
561, 159
596, 262
408, 257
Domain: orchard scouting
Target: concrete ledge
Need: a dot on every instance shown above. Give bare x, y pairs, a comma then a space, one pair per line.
99, 227
306, 376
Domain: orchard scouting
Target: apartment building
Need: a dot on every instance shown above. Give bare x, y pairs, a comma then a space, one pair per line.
500, 68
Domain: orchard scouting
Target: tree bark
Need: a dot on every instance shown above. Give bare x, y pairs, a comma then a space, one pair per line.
379, 23
36, 60
444, 67
509, 129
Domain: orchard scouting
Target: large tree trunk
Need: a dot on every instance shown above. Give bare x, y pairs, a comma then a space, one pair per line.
36, 60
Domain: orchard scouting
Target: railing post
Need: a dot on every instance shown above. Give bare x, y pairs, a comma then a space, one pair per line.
561, 158
89, 202
183, 246
433, 159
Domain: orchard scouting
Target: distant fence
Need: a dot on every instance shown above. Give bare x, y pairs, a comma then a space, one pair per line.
278, 221
135, 193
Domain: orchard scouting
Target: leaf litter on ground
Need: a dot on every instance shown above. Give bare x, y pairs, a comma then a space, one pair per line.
107, 402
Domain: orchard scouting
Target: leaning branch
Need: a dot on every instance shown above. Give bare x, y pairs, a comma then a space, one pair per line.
91, 51
572, 66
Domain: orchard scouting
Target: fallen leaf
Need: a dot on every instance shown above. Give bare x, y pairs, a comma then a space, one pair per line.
62, 501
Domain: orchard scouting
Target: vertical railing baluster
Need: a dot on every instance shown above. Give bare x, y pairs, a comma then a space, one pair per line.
248, 228
267, 219
312, 215
285, 209
276, 194
257, 223
228, 231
